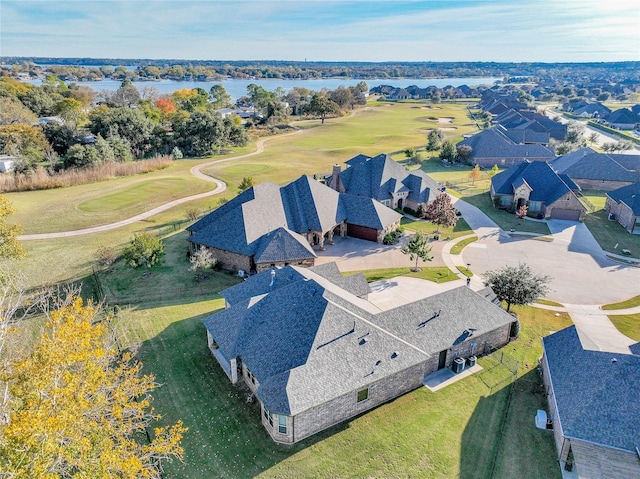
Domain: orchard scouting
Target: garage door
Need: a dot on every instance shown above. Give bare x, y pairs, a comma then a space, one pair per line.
565, 214
362, 232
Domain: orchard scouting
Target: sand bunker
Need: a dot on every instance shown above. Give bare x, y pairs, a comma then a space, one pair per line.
445, 119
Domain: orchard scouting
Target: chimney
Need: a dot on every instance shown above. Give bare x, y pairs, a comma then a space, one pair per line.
336, 183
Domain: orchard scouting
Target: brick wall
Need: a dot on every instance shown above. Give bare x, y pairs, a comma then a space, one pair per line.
602, 185
624, 214
572, 203
305, 263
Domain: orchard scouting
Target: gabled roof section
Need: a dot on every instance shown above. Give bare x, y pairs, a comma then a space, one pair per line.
363, 211
282, 245
261, 284
561, 163
311, 206
380, 176
356, 160
623, 116
629, 195
596, 391
354, 283
545, 184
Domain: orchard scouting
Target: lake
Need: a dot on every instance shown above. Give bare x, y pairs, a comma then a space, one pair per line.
237, 88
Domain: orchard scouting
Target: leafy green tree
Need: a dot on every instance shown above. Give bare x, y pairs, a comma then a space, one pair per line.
81, 408
494, 171
144, 250
219, 98
247, 182
40, 101
441, 212
320, 107
9, 246
201, 134
464, 153
342, 96
517, 285
13, 110
127, 123
127, 95
60, 135
448, 151
418, 248
22, 140
81, 156
434, 140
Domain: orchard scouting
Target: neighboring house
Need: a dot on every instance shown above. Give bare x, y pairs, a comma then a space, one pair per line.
316, 353
268, 225
399, 94
536, 185
587, 110
7, 163
531, 120
623, 205
594, 405
385, 180
495, 147
623, 119
598, 171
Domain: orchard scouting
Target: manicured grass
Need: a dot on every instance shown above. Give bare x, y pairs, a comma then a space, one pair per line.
437, 274
465, 271
610, 234
627, 324
596, 198
629, 303
76, 207
548, 302
461, 228
504, 220
455, 432
460, 245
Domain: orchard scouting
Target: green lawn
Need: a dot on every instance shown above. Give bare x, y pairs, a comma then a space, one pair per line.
610, 234
461, 228
438, 274
596, 198
629, 303
460, 245
627, 324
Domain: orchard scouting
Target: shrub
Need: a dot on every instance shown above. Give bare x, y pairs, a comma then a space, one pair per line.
144, 250
193, 213
176, 153
410, 211
106, 255
201, 261
392, 237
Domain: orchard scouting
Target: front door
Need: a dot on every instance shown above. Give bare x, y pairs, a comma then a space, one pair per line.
442, 361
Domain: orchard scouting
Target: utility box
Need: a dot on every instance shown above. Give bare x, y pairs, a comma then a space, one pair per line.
471, 361
457, 365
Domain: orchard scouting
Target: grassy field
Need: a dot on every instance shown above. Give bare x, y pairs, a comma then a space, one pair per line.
437, 274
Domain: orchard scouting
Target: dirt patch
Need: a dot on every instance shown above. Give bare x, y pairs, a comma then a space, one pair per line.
447, 128
445, 119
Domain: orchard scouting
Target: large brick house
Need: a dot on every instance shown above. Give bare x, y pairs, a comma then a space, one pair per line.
382, 178
269, 225
315, 352
537, 186
594, 405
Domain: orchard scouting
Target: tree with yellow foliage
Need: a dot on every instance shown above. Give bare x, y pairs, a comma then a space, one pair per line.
81, 409
9, 246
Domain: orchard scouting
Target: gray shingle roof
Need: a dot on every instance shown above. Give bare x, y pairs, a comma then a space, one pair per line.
545, 184
282, 245
380, 176
493, 143
307, 340
595, 166
629, 195
598, 399
354, 283
367, 212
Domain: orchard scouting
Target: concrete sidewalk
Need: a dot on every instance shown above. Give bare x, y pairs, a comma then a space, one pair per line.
596, 330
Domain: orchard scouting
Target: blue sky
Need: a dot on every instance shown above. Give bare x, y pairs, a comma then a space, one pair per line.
320, 30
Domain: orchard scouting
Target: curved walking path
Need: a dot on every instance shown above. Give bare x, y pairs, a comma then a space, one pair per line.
195, 171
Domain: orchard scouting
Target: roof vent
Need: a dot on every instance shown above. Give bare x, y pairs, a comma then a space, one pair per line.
290, 276
378, 362
362, 341
614, 360
312, 291
394, 354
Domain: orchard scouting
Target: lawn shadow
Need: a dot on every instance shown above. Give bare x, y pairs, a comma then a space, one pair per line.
501, 440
